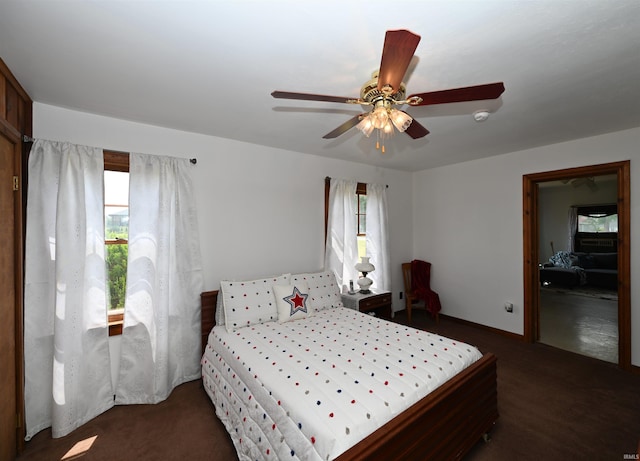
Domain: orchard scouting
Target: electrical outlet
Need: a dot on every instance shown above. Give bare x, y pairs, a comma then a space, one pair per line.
508, 307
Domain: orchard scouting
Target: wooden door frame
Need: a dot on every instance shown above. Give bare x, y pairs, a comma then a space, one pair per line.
531, 249
16, 120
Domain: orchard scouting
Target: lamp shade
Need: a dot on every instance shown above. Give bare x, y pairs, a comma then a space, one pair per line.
365, 266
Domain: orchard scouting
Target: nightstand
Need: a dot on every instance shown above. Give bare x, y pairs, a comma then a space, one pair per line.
376, 301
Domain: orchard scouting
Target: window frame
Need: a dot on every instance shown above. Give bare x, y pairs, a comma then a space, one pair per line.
116, 161
361, 190
588, 210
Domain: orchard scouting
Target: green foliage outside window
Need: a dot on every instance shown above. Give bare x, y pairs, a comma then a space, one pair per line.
598, 223
117, 272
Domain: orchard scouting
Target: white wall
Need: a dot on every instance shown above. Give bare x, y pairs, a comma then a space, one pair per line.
261, 210
465, 218
468, 223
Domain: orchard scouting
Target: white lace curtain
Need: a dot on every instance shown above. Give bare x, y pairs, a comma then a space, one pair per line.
67, 363
341, 251
378, 235
66, 349
161, 335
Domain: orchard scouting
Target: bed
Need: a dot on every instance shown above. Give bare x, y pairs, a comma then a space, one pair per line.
271, 421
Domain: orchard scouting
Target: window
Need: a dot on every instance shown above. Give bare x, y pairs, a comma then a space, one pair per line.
361, 212
596, 229
116, 232
597, 222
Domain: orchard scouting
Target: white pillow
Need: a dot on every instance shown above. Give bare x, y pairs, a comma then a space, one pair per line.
250, 302
292, 301
323, 288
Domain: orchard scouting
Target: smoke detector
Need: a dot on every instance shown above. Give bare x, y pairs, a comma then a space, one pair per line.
480, 115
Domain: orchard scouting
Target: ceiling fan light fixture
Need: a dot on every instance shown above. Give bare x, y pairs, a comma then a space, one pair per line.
401, 120
366, 126
387, 129
380, 117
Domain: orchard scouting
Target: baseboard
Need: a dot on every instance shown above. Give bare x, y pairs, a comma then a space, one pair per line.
635, 369
498, 331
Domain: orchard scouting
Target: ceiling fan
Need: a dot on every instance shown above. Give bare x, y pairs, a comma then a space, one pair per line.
386, 91
590, 182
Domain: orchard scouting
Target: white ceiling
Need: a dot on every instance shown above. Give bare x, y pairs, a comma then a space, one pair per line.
571, 68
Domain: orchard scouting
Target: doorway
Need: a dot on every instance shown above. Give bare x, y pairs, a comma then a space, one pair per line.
578, 304
531, 239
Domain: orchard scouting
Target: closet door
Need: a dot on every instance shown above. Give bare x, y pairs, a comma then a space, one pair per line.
8, 359
15, 121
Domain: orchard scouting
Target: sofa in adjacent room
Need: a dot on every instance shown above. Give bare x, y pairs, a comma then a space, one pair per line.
570, 269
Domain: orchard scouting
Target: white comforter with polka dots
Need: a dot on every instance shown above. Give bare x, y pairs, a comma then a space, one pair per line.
310, 389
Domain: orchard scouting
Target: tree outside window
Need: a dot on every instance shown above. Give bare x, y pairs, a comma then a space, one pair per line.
598, 218
116, 232
116, 220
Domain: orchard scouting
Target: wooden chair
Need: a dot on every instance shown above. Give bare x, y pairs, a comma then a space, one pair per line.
423, 297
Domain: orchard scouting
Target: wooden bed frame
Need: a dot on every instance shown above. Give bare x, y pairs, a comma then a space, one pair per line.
444, 425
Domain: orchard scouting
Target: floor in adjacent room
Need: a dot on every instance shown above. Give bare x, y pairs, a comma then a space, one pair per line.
578, 322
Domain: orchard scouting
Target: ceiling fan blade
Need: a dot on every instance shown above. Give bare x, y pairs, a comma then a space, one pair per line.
346, 126
469, 93
416, 130
399, 46
309, 97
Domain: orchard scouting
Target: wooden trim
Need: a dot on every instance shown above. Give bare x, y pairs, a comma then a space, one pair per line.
208, 302
6, 73
531, 249
9, 131
530, 259
115, 324
20, 238
3, 95
327, 188
624, 265
116, 161
15, 120
497, 331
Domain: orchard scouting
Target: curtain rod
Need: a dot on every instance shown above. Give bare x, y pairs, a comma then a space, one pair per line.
26, 138
328, 178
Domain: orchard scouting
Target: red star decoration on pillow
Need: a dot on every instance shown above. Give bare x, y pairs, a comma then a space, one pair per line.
298, 301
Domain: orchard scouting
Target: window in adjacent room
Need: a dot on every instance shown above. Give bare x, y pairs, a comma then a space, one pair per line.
116, 232
602, 218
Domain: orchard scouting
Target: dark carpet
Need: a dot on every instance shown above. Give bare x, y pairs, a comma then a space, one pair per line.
554, 405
